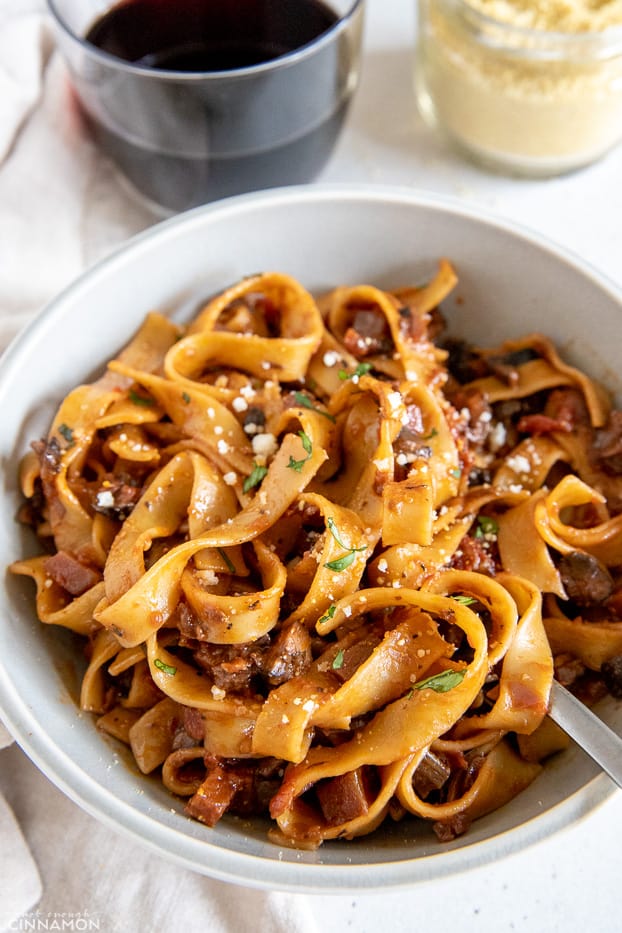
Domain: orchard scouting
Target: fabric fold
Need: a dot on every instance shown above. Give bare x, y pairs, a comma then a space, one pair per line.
25, 48
20, 883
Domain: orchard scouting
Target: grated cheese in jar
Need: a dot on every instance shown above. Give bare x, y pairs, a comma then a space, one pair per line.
533, 88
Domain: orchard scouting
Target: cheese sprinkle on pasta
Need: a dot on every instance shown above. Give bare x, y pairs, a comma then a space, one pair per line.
354, 609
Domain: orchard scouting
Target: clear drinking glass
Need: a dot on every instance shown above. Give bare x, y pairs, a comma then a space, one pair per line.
182, 138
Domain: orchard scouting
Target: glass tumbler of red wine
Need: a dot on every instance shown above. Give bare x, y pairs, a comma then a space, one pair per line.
196, 100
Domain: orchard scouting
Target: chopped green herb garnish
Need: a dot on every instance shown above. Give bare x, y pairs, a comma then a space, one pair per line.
338, 660
441, 683
332, 527
66, 432
185, 398
308, 446
361, 370
433, 433
464, 600
342, 562
330, 612
227, 560
305, 402
165, 668
457, 473
255, 477
140, 399
296, 465
486, 526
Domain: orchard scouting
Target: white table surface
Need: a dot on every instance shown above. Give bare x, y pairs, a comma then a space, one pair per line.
569, 882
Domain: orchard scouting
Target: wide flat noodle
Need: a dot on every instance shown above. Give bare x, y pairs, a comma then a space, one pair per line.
323, 560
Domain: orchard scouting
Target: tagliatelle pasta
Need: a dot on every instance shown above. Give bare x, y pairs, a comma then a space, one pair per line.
325, 560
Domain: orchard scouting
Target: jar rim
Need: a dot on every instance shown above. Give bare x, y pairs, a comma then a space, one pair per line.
541, 43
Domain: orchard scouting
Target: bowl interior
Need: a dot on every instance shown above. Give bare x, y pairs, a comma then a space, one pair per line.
510, 283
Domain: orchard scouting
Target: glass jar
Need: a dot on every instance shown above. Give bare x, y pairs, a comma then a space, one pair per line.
530, 101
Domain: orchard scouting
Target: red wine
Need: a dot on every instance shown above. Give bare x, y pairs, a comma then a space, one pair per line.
208, 35
187, 126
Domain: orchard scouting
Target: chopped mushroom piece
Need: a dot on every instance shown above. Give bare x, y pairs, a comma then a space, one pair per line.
586, 580
345, 797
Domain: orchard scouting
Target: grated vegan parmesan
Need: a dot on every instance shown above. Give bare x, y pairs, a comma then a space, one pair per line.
530, 87
554, 15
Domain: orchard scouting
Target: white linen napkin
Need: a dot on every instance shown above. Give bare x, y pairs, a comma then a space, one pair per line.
20, 884
61, 204
62, 207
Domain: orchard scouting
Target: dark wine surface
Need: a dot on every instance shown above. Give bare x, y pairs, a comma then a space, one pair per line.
188, 126
208, 35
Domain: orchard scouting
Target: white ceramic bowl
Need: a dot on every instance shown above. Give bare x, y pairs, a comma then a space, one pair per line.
511, 282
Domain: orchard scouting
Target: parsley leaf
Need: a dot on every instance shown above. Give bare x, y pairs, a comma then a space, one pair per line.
185, 398
487, 525
465, 600
329, 614
361, 370
441, 683
255, 477
338, 660
165, 668
227, 559
140, 399
332, 527
66, 432
342, 562
297, 465
305, 402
